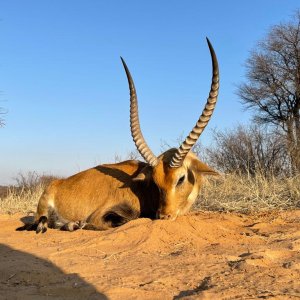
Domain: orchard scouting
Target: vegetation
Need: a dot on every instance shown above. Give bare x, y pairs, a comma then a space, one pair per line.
260, 164
229, 192
21, 200
249, 151
255, 172
262, 180
24, 195
1, 119
273, 87
247, 194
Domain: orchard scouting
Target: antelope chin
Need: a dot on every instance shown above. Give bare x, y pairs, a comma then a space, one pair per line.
169, 217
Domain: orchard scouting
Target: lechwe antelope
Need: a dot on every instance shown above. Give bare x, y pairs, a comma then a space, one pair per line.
112, 194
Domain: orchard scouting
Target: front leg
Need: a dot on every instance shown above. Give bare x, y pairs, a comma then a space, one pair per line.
72, 226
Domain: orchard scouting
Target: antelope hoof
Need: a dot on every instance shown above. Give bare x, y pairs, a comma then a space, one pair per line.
42, 225
72, 226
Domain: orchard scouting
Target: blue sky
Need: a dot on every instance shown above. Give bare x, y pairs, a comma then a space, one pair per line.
65, 91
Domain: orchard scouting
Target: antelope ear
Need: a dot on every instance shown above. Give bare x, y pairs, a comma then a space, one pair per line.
203, 168
144, 175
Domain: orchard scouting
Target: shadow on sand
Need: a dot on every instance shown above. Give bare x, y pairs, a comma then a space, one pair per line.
24, 276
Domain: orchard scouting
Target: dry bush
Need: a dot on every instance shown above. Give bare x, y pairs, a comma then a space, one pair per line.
31, 180
21, 200
2, 112
257, 171
244, 193
251, 150
3, 191
248, 194
24, 195
132, 155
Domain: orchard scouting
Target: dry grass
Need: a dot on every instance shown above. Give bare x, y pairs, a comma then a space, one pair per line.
227, 193
249, 194
21, 199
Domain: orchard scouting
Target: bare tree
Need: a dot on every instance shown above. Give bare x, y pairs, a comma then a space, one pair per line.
1, 119
131, 155
248, 151
273, 87
30, 180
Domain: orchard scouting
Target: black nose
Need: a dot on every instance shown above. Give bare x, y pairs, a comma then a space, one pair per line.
157, 215
164, 217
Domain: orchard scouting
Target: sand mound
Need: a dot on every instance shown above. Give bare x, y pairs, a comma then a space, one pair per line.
199, 256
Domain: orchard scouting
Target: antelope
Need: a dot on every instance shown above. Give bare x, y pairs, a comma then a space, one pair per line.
110, 195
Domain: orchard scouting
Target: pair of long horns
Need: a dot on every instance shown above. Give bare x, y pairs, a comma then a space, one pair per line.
192, 138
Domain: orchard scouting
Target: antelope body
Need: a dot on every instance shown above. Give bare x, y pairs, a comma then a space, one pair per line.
110, 195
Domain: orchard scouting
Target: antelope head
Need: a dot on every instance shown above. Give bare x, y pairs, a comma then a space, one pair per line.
177, 173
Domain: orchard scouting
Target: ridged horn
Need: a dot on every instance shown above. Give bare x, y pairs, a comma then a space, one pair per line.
136, 132
192, 138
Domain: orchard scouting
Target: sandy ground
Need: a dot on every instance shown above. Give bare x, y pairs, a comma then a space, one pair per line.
199, 256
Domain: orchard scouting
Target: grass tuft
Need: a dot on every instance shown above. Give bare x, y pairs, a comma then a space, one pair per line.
248, 194
22, 200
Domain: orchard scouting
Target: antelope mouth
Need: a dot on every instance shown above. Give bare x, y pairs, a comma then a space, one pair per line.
170, 217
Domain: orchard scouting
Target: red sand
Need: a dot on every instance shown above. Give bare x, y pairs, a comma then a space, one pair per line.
198, 256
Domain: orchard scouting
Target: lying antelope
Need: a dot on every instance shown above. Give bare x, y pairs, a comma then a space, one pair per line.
110, 195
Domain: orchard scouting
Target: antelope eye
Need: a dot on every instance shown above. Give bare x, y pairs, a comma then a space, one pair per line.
180, 181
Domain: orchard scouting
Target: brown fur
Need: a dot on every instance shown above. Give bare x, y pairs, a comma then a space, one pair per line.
112, 194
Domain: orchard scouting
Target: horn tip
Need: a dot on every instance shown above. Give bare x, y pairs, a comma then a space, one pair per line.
125, 67
208, 42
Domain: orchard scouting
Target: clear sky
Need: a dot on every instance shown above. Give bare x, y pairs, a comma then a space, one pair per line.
65, 91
